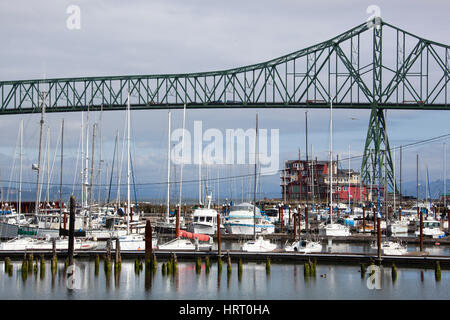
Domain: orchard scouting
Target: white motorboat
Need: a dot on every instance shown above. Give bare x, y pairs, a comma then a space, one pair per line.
205, 219
431, 228
336, 230
258, 245
307, 246
177, 244
399, 227
22, 244
391, 248
241, 220
134, 242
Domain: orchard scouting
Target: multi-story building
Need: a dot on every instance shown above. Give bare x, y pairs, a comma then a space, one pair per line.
306, 180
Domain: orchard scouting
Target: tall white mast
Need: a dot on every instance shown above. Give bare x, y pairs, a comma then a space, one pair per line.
349, 177
20, 169
128, 165
200, 157
43, 97
48, 166
86, 166
445, 181
331, 160
182, 155
168, 171
82, 159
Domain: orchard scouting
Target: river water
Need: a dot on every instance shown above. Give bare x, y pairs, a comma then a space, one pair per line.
286, 281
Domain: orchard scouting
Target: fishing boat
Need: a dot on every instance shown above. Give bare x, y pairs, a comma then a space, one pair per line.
205, 219
306, 246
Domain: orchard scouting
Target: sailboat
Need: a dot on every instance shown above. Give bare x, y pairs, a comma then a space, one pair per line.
257, 244
181, 240
333, 229
130, 241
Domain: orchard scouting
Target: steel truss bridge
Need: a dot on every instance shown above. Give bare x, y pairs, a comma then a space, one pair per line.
374, 65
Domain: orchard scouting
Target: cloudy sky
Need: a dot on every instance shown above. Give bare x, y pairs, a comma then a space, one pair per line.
178, 36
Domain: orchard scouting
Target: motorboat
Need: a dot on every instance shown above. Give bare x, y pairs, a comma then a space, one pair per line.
27, 243
134, 242
258, 245
307, 246
431, 228
205, 219
391, 248
336, 230
399, 226
177, 244
242, 220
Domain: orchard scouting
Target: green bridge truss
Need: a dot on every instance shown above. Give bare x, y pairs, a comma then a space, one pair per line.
374, 66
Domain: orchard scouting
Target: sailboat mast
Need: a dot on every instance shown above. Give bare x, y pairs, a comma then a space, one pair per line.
86, 166
94, 131
182, 155
200, 176
349, 177
43, 97
82, 159
254, 187
61, 171
331, 161
445, 185
168, 171
20, 170
128, 165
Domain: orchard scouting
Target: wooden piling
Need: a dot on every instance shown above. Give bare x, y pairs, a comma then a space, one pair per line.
394, 273
198, 265
364, 219
306, 218
268, 265
379, 239
419, 212
295, 226
289, 215
229, 268
42, 269
71, 229
219, 265
7, 264
437, 271
219, 244
97, 265
54, 261
148, 241
177, 222
117, 258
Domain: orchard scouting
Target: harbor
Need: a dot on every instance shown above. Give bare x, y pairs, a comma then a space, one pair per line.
222, 160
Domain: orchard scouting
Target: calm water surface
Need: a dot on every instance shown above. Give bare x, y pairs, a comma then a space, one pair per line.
285, 281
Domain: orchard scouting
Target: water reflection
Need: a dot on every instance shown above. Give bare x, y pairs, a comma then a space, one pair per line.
286, 281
